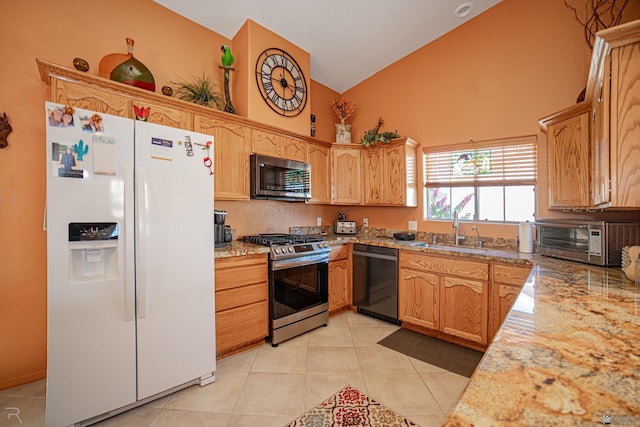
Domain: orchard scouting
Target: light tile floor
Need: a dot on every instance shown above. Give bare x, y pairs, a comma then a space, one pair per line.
269, 386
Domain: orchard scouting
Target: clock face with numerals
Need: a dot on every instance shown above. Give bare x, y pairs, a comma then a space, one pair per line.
281, 82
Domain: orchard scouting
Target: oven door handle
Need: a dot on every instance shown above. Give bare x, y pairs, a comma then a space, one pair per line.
282, 264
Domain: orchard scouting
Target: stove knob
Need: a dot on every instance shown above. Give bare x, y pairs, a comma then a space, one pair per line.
291, 249
276, 250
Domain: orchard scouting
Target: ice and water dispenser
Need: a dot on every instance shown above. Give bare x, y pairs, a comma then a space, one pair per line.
93, 251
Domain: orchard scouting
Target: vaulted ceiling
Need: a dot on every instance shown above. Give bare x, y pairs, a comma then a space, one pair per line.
348, 40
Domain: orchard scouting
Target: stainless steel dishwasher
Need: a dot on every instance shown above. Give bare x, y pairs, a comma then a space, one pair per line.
375, 281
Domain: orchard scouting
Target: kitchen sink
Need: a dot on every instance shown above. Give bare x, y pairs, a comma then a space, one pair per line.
436, 246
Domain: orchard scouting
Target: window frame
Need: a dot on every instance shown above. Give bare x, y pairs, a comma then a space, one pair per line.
514, 171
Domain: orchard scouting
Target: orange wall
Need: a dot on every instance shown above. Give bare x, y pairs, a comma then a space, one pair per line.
492, 77
325, 120
172, 47
258, 39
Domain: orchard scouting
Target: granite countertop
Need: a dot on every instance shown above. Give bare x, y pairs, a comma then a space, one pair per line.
567, 354
438, 249
240, 248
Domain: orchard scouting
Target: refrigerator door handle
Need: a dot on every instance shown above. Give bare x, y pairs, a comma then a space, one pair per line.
130, 279
141, 276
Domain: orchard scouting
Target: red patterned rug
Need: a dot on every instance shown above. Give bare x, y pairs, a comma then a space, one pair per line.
350, 407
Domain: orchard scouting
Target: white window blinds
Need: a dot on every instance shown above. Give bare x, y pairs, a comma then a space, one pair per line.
499, 162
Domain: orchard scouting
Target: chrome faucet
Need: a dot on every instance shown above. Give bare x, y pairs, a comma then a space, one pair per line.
456, 225
477, 234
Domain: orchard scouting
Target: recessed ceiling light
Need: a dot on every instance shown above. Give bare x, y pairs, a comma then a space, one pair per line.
464, 9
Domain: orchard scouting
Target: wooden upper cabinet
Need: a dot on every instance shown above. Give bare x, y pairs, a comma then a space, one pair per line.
80, 95
293, 149
603, 172
600, 165
231, 156
394, 186
373, 166
167, 116
624, 128
569, 161
265, 143
274, 145
346, 170
319, 157
390, 174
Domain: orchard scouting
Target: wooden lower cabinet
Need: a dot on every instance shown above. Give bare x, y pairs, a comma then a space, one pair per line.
339, 279
446, 297
507, 282
418, 300
464, 308
241, 298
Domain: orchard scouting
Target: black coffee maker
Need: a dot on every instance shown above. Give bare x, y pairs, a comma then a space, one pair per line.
219, 228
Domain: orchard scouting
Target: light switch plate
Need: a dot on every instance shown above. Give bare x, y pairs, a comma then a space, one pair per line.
365, 222
413, 225
319, 221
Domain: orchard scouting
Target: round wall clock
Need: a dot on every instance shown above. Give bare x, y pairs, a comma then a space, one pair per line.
281, 82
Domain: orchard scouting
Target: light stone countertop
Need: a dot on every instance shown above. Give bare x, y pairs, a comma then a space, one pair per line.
567, 354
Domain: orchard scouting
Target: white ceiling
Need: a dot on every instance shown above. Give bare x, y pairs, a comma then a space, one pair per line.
348, 40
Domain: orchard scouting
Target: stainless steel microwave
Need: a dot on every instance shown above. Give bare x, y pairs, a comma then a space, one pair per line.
279, 179
592, 242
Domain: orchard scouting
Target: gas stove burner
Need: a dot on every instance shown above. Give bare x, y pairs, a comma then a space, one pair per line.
290, 245
281, 239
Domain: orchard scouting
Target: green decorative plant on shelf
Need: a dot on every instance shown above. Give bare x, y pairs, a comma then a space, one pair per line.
372, 136
201, 90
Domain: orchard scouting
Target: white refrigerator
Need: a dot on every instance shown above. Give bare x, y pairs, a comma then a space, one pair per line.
130, 245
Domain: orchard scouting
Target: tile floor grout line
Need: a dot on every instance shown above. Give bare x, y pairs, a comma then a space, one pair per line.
348, 327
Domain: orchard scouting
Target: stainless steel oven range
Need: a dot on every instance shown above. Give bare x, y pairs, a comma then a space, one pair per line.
298, 283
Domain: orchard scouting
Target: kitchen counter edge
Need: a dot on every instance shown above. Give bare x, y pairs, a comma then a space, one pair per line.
568, 352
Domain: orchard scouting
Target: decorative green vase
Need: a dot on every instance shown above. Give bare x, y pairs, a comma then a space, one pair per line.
133, 72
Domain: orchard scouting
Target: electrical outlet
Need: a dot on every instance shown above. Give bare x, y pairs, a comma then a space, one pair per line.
365, 222
319, 221
413, 225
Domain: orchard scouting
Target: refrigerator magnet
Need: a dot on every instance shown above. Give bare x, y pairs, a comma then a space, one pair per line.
187, 145
66, 163
92, 123
161, 149
104, 155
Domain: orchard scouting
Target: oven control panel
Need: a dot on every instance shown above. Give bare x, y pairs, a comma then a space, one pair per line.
299, 249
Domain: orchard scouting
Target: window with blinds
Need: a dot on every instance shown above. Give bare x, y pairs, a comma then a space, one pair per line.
483, 181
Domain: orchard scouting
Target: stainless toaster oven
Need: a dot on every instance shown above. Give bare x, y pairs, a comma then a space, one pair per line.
592, 242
